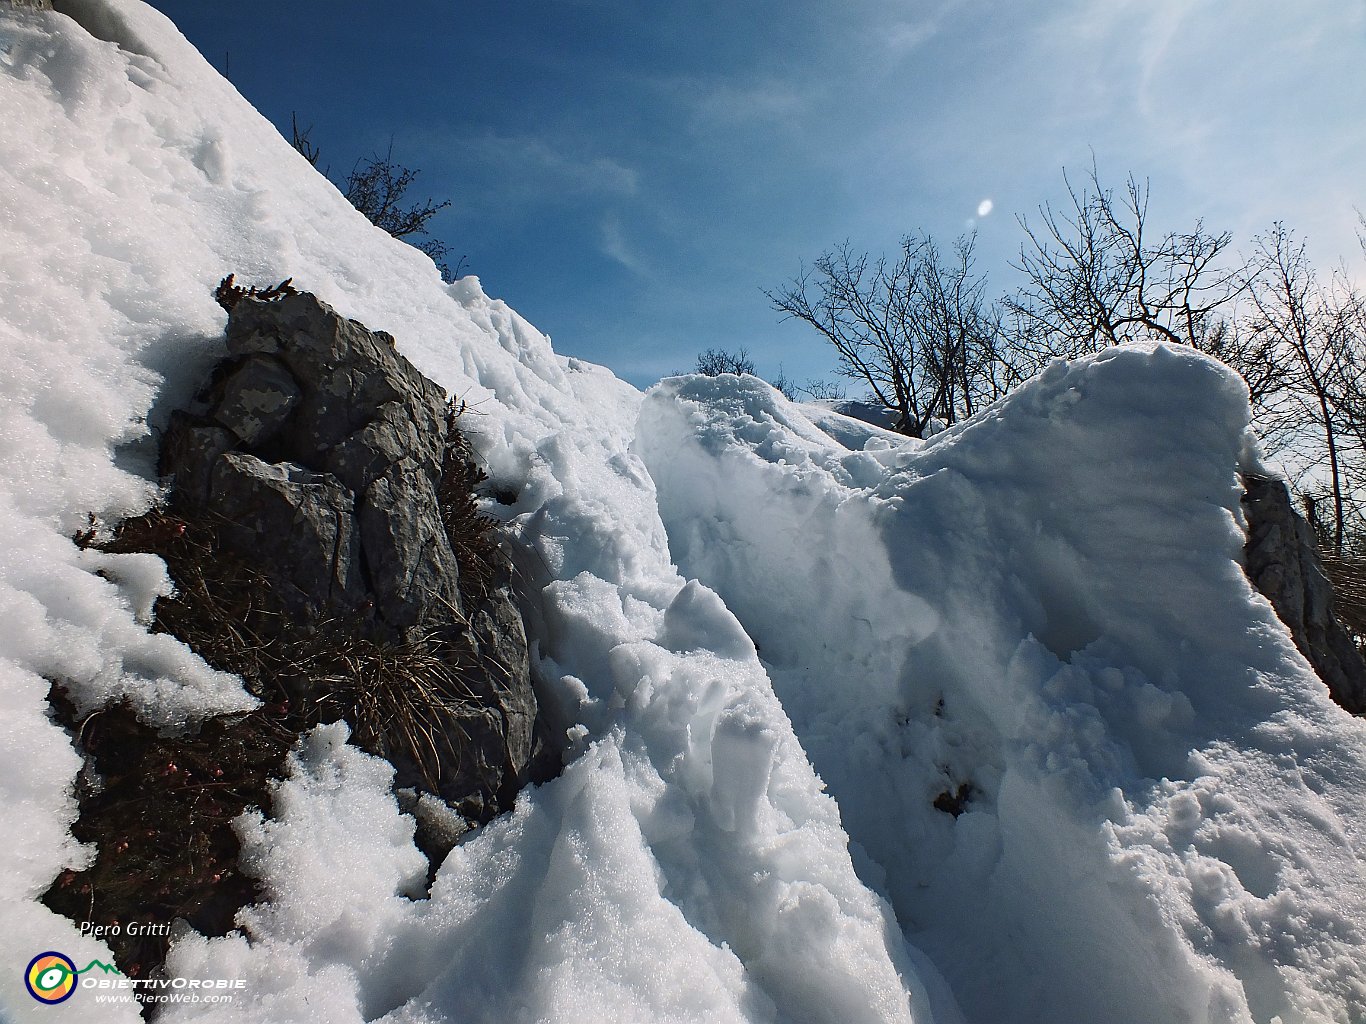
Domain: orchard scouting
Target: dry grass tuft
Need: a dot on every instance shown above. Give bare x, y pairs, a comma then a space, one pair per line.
159, 809
473, 535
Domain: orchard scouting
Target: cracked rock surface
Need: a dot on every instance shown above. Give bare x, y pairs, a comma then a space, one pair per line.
318, 450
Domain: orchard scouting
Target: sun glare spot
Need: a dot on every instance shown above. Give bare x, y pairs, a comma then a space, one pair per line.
984, 207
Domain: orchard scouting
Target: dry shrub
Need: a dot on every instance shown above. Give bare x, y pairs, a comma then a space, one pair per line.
160, 811
228, 294
473, 535
1348, 577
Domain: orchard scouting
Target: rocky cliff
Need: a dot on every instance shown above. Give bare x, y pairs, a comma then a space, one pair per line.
332, 468
326, 544
1282, 561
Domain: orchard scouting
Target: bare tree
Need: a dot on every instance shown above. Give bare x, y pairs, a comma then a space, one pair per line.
918, 330
1096, 275
378, 187
814, 388
1314, 333
915, 329
822, 390
714, 362
300, 139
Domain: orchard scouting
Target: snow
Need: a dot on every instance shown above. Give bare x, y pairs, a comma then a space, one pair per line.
1044, 603
1164, 818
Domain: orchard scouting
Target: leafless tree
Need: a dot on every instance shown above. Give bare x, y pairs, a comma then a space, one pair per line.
300, 139
378, 187
915, 329
1314, 333
814, 388
918, 330
1096, 275
822, 390
714, 362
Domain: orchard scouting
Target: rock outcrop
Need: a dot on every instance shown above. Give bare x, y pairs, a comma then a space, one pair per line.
1282, 561
319, 452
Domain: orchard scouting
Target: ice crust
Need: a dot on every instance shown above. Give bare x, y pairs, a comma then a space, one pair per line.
1165, 817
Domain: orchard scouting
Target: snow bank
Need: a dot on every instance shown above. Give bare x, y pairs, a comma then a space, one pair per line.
687, 866
1041, 612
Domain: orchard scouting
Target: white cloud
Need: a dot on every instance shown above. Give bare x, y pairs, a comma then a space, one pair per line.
731, 101
616, 245
903, 36
546, 164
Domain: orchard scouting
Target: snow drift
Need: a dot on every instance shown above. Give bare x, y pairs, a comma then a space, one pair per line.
1153, 813
1043, 609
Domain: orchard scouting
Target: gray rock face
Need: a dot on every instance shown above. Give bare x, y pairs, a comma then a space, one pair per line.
256, 399
1282, 561
319, 450
291, 518
408, 556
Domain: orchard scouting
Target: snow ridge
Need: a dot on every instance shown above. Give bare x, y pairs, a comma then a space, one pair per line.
1045, 605
641, 885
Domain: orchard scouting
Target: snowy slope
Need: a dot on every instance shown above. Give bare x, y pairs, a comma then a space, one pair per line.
687, 865
1165, 815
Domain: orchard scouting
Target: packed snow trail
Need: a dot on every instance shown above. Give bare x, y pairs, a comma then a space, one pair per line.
1042, 611
686, 867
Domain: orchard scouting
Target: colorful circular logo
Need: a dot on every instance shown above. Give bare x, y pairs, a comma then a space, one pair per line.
50, 977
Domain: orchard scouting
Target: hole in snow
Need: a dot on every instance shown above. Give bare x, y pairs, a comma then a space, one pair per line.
955, 801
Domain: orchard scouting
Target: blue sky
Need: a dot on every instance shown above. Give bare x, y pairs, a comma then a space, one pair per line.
629, 174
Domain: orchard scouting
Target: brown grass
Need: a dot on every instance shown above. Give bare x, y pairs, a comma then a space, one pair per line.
159, 809
473, 535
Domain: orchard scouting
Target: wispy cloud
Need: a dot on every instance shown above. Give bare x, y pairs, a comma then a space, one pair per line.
617, 246
733, 102
904, 35
546, 165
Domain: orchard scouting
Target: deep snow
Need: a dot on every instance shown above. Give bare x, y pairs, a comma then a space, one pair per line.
1165, 813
